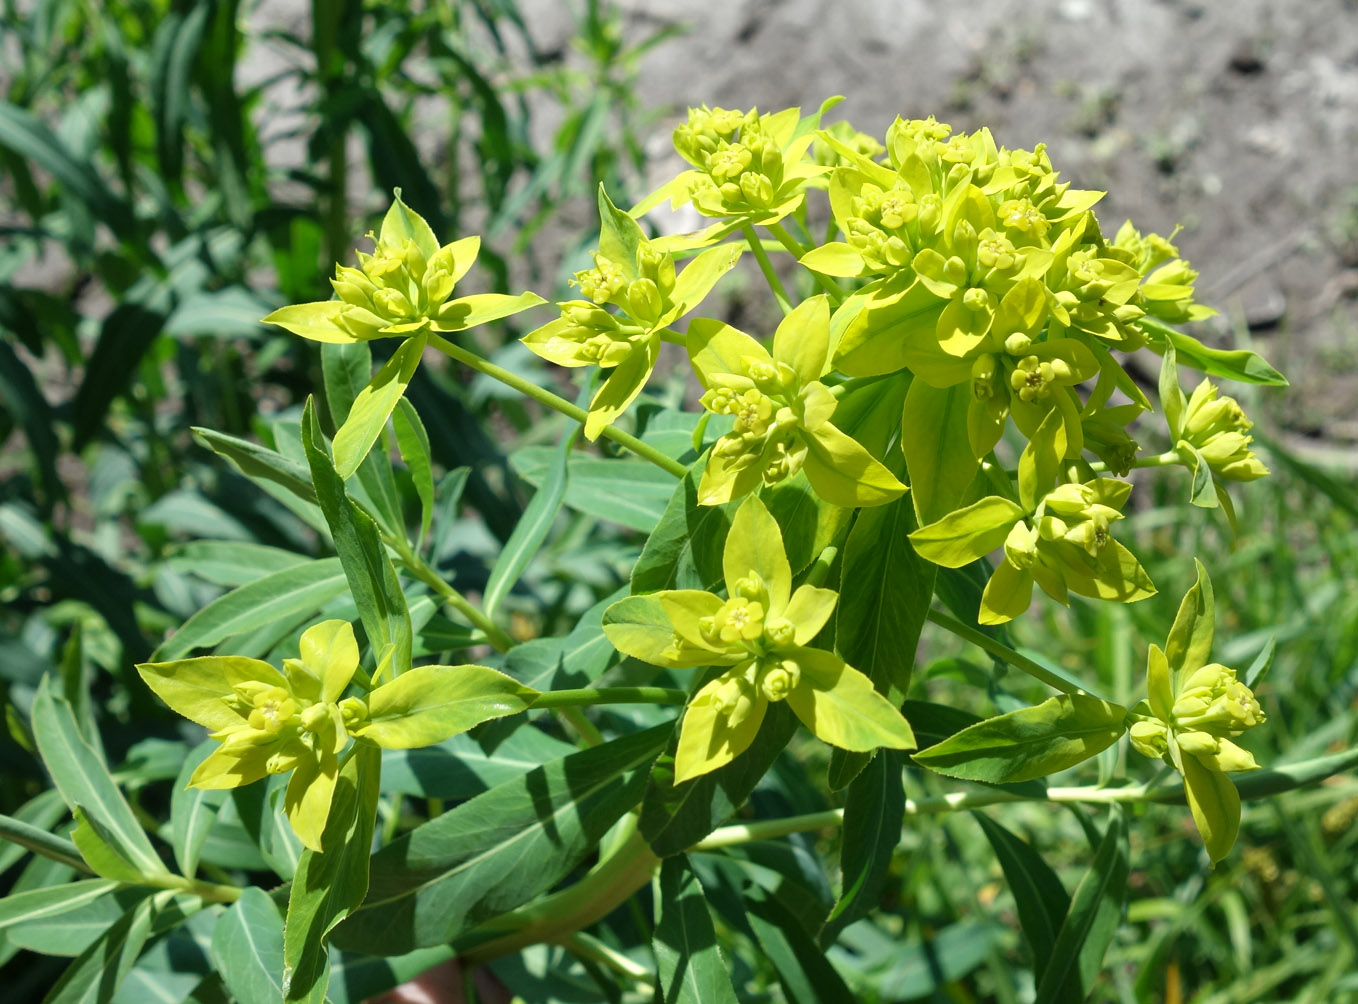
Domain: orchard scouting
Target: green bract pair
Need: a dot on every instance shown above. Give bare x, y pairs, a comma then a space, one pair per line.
761, 634
1194, 711
272, 722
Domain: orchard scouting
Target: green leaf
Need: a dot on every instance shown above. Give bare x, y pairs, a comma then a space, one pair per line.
259, 463
1088, 929
675, 817
938, 464
30, 139
1029, 743
965, 535
619, 236
329, 886
373, 407
1040, 462
1204, 491
294, 591
806, 975
468, 865
884, 596
631, 493
25, 402
83, 779
689, 964
1215, 804
873, 812
1172, 398
685, 548
403, 224
345, 370
369, 572
247, 948
809, 523
1189, 644
97, 972
1233, 364
51, 901
429, 704
230, 562
413, 442
839, 705
1040, 898
125, 336
192, 811
532, 529
459, 767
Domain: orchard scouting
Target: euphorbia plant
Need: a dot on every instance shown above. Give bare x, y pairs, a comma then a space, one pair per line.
960, 330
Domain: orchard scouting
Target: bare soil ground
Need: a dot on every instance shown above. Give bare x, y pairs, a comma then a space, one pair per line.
1234, 118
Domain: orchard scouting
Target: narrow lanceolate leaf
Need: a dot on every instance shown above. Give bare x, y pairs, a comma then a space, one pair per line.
292, 592
873, 814
374, 405
413, 442
1038, 894
688, 961
346, 370
674, 817
684, 550
94, 976
193, 811
259, 463
884, 595
498, 850
101, 851
328, 886
51, 901
1029, 743
1233, 364
1189, 644
429, 704
806, 975
83, 779
532, 528
247, 949
230, 562
1090, 924
369, 572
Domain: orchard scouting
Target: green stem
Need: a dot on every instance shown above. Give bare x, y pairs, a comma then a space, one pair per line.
550, 400
797, 250
1003, 651
1169, 459
420, 568
766, 266
205, 890
588, 947
574, 908
820, 571
325, 18
41, 842
609, 695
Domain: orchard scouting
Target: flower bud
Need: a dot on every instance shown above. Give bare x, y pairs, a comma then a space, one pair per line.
1018, 343
779, 679
1150, 738
353, 712
315, 718
643, 300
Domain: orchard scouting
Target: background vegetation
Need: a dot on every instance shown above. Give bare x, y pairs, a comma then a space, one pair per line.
151, 213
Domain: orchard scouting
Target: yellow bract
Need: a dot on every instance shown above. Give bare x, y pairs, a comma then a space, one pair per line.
762, 632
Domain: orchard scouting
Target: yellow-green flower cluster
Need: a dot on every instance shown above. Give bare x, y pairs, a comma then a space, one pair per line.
761, 636
1218, 429
1194, 711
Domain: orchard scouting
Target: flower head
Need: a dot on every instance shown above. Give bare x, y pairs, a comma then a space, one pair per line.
761, 634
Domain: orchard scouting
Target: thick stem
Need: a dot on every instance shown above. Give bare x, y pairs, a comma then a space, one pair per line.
766, 266
550, 400
591, 899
